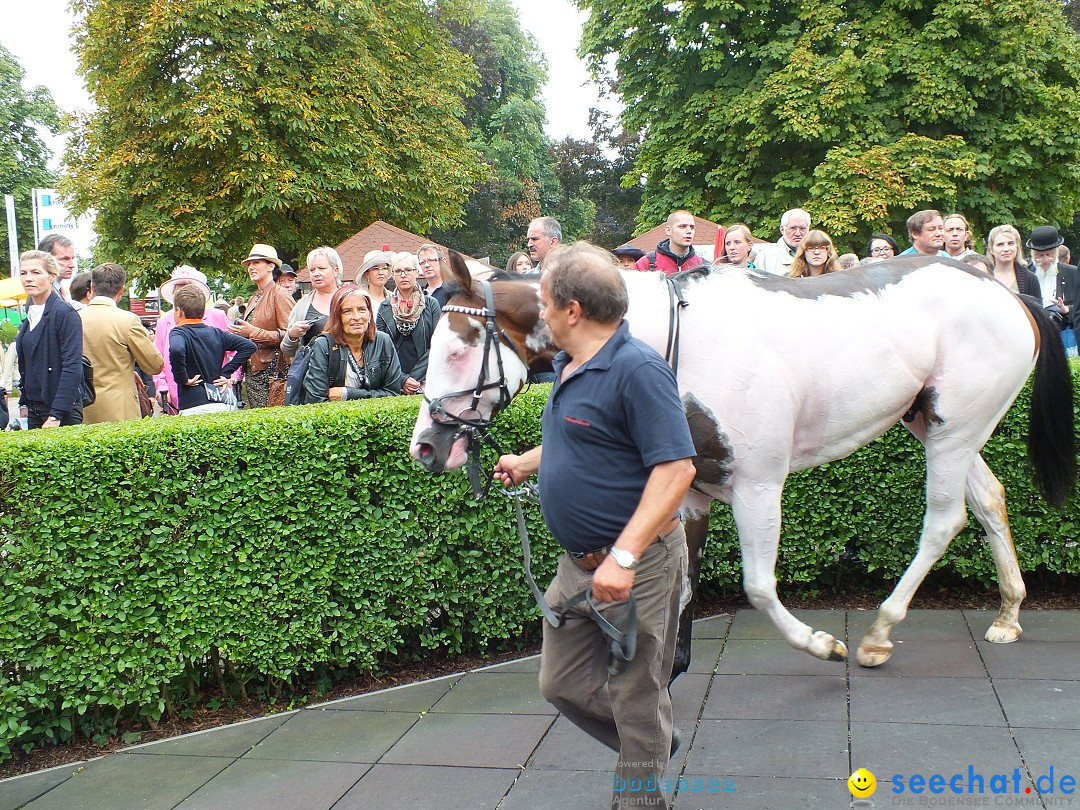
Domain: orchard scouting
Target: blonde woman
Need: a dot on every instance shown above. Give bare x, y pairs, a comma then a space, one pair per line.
1003, 249
738, 247
815, 256
409, 317
309, 315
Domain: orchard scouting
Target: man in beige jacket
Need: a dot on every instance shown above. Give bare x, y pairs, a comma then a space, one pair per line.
114, 340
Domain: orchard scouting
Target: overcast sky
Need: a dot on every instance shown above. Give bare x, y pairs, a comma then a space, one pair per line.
38, 34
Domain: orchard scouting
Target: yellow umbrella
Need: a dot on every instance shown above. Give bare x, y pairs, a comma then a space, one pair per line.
12, 289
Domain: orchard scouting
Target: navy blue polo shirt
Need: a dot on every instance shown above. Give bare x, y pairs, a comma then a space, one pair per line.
605, 428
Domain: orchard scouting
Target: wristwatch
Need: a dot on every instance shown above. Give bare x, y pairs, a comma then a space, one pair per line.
624, 559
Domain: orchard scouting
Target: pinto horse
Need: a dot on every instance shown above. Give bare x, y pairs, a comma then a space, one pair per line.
780, 374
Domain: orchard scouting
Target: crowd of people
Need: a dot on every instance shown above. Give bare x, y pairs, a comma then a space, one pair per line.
371, 338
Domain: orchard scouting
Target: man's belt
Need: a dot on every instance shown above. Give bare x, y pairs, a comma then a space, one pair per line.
589, 561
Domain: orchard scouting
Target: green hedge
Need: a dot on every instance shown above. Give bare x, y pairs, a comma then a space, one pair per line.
145, 561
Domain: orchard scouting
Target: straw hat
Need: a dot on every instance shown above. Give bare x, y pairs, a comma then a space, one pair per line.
372, 258
267, 252
184, 274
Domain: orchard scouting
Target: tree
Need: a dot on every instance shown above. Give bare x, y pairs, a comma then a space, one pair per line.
24, 158
858, 111
219, 124
506, 124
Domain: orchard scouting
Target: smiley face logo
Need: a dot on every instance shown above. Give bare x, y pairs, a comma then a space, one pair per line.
862, 783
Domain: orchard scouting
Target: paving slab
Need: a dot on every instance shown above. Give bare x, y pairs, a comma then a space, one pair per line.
1039, 625
960, 702
1046, 748
772, 656
472, 740
560, 790
907, 748
707, 792
495, 693
778, 697
419, 787
807, 750
567, 748
1028, 658
324, 735
704, 653
1037, 703
687, 696
916, 658
713, 627
157, 783
18, 790
269, 784
933, 625
413, 697
229, 741
750, 623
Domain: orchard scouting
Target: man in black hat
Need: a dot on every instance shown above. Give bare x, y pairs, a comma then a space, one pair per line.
1057, 280
286, 279
627, 255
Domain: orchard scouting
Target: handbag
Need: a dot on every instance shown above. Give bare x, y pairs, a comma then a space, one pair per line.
146, 407
276, 386
88, 391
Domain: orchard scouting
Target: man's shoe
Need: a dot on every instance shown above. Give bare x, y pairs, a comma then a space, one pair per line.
676, 742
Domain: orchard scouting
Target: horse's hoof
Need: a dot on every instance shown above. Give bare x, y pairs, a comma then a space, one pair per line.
826, 647
1000, 633
874, 655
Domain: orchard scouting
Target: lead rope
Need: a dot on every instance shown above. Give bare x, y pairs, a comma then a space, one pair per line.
622, 645
676, 303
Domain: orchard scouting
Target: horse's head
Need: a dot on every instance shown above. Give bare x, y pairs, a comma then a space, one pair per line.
480, 351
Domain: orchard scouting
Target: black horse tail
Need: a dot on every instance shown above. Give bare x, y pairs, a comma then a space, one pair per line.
1051, 425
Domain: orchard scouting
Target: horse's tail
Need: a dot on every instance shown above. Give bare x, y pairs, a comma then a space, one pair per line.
1051, 431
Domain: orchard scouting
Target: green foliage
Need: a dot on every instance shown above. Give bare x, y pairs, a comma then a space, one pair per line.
218, 124
858, 111
24, 158
263, 550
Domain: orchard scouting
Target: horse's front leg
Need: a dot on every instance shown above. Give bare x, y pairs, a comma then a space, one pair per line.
697, 530
757, 515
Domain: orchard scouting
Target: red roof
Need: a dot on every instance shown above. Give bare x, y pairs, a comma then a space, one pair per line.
373, 237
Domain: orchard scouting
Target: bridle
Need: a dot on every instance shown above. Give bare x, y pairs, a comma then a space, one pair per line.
469, 422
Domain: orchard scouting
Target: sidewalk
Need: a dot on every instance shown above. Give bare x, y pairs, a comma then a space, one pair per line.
777, 728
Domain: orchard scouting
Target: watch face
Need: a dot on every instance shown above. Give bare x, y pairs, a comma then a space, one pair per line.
624, 558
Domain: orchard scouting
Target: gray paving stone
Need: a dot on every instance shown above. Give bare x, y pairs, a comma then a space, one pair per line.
925, 658
335, 736
568, 748
1046, 748
932, 625
139, 783
18, 790
413, 697
276, 785
227, 741
1040, 704
958, 702
419, 787
704, 654
687, 696
807, 750
495, 693
772, 657
560, 790
471, 740
907, 748
777, 697
1043, 625
1026, 658
712, 627
751, 624
530, 664
708, 792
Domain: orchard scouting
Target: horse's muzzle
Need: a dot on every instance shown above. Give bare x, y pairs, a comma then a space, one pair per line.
435, 447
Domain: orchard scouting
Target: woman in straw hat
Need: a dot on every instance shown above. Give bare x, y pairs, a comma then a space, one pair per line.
264, 323
374, 275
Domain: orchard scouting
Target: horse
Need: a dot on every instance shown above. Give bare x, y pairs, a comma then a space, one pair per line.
778, 375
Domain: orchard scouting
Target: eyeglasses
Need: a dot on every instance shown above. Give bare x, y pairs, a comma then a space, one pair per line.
425, 262
882, 251
404, 271
818, 248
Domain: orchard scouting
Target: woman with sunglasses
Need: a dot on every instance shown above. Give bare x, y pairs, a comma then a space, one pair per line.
409, 318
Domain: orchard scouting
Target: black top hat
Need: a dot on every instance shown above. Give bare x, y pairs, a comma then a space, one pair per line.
629, 250
1045, 237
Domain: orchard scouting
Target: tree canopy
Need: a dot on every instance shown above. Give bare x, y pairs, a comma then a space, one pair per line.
24, 157
223, 123
860, 111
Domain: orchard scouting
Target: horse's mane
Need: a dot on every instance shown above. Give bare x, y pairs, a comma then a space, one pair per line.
454, 287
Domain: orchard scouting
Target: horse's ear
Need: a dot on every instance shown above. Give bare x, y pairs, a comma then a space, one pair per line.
456, 270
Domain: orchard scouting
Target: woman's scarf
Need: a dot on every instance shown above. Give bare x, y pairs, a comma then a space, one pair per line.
407, 311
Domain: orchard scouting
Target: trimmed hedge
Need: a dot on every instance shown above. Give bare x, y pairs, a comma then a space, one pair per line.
145, 560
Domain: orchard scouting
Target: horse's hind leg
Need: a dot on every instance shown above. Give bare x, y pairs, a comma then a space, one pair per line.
697, 530
946, 462
986, 496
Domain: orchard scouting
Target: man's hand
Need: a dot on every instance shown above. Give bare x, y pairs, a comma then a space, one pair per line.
512, 470
612, 582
